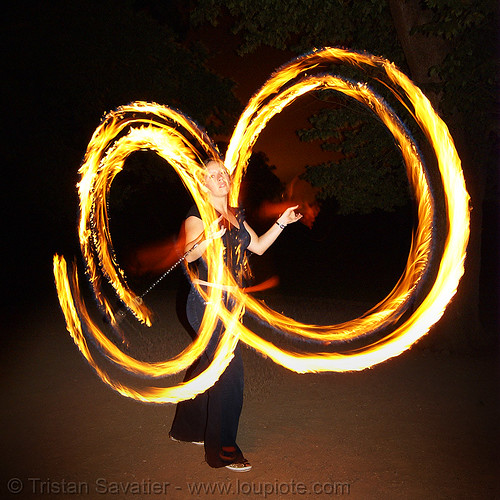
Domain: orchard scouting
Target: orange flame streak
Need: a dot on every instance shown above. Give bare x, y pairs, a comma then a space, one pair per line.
154, 257
186, 390
158, 130
457, 199
103, 161
271, 282
105, 158
390, 309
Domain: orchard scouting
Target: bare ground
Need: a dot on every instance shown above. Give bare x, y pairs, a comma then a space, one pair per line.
423, 425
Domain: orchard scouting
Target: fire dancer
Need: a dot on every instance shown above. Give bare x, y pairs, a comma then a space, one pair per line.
211, 419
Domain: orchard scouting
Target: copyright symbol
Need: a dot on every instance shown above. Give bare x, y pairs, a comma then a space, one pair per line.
15, 485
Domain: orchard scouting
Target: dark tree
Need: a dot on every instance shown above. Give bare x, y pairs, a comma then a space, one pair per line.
259, 185
448, 48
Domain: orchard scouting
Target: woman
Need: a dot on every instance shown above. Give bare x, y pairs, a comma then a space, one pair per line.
212, 418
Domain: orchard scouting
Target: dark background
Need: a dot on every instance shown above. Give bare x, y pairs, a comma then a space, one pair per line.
424, 424
67, 63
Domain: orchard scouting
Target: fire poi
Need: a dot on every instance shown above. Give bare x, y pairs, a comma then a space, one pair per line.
178, 140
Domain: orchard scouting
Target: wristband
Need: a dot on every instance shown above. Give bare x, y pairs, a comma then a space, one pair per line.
282, 226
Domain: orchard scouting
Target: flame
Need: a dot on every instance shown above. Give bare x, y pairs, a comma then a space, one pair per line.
177, 139
154, 257
78, 320
298, 192
271, 282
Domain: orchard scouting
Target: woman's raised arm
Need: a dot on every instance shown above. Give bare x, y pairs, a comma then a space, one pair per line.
259, 244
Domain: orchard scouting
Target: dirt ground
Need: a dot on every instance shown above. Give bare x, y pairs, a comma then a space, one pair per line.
423, 425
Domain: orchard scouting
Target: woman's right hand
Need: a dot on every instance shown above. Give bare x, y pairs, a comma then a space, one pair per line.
214, 231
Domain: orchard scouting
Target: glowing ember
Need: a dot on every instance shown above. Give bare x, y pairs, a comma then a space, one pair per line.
178, 140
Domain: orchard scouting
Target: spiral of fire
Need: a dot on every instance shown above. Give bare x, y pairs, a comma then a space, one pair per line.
179, 141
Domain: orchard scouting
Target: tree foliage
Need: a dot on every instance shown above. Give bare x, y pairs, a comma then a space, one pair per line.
301, 25
468, 74
465, 80
449, 47
370, 174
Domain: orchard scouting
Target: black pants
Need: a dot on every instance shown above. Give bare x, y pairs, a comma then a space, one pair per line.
213, 416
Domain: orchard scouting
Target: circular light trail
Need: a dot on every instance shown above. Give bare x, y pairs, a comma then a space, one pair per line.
179, 141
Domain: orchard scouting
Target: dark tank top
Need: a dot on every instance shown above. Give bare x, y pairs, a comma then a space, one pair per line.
235, 241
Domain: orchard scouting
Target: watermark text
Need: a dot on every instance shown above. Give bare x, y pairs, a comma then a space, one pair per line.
239, 488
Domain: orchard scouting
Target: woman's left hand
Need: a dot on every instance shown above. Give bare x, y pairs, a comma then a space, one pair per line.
289, 216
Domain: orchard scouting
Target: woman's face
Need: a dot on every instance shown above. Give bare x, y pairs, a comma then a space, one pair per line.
217, 178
